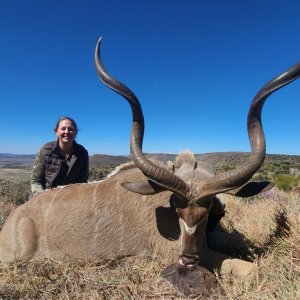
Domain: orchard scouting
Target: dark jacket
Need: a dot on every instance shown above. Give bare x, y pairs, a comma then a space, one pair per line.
51, 169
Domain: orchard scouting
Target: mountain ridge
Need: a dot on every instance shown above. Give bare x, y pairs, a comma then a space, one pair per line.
217, 159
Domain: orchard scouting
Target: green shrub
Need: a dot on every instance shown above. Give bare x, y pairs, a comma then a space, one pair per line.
261, 176
286, 182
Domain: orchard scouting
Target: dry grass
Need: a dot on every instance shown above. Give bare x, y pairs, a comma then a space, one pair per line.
15, 175
127, 278
266, 230
272, 228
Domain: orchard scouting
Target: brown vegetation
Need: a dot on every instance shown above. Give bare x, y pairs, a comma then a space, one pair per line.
265, 229
96, 174
272, 239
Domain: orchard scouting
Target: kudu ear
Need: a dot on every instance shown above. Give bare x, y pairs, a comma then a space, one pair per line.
251, 189
143, 187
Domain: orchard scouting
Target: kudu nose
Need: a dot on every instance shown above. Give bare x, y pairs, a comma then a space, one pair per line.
189, 260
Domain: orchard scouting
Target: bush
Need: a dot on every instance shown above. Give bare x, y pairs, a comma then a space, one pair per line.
100, 173
16, 192
286, 182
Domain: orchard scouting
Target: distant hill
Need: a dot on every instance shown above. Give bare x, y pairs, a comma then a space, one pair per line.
100, 160
226, 159
218, 160
16, 161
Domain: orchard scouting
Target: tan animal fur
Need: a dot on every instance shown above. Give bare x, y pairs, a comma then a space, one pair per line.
100, 220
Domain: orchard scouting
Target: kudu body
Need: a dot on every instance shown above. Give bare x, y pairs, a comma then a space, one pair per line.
160, 212
101, 220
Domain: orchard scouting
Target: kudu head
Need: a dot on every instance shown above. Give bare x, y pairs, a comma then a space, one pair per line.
193, 184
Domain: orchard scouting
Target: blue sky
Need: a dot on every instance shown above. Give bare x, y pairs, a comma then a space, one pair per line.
194, 65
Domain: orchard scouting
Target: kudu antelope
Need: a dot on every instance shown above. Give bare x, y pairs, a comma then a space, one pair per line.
160, 212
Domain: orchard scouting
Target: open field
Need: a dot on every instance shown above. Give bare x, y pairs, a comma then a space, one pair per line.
15, 175
263, 229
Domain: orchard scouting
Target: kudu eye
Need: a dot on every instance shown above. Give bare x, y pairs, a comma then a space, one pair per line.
178, 210
178, 202
207, 203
